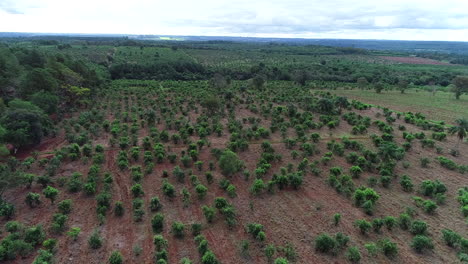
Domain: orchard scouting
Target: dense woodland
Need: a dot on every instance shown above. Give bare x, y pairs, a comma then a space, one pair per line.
223, 152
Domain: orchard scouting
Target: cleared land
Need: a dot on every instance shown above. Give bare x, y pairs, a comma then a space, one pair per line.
291, 217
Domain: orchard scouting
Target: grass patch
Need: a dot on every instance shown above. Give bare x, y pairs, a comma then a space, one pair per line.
443, 106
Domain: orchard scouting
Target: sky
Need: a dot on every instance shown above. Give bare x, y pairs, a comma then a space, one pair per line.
445, 20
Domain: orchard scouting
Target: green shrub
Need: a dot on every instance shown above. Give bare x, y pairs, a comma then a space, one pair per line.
363, 225
201, 190
389, 248
372, 249
429, 206
256, 230
209, 213
33, 199
168, 189
418, 227
229, 163
336, 218
178, 229
50, 193
159, 242
209, 258
270, 251
155, 204
116, 258
406, 183
377, 224
281, 261
353, 254
118, 208
157, 223
451, 238
421, 243
74, 233
325, 243
390, 222
95, 241
404, 221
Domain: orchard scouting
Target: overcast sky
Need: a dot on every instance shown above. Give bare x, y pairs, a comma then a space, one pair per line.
358, 19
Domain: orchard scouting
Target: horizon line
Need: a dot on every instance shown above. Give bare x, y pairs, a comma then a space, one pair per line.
215, 36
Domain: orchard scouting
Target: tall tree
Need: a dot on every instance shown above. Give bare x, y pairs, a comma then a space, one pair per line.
461, 129
362, 82
258, 82
402, 85
460, 86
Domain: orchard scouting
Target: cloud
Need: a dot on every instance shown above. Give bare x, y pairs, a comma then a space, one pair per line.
388, 19
8, 7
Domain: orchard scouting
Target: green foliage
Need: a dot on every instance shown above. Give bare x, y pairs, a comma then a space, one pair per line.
74, 233
353, 254
366, 198
390, 222
421, 243
209, 213
325, 243
160, 242
431, 188
119, 209
418, 227
44, 256
33, 199
116, 258
336, 219
209, 258
137, 190
256, 230
281, 261
406, 183
257, 187
31, 128
460, 86
155, 204
270, 251
372, 249
178, 229
95, 241
65, 206
168, 189
59, 222
363, 225
201, 190
451, 238
389, 248
404, 221
157, 223
229, 163
47, 101
50, 193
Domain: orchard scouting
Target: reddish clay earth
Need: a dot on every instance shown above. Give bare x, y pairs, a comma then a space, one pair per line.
414, 60
288, 216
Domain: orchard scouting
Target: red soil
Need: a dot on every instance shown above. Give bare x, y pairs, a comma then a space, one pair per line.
295, 216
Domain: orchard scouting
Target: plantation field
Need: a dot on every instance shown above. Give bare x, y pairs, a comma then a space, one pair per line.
123, 151
443, 106
165, 171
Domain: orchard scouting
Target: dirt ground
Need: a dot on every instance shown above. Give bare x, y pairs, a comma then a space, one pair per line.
289, 216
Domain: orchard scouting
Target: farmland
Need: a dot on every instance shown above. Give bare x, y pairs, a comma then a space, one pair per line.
441, 106
224, 152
